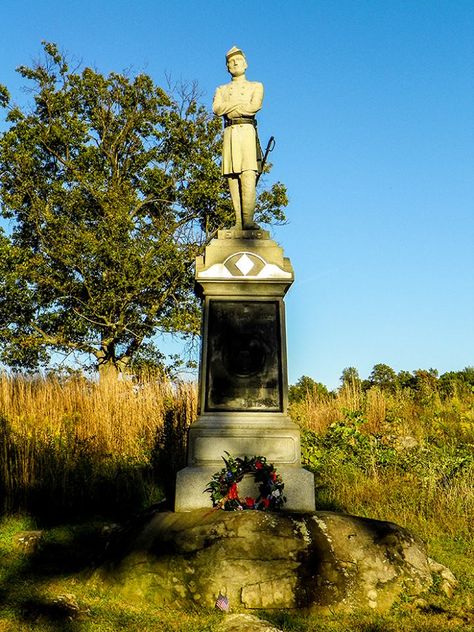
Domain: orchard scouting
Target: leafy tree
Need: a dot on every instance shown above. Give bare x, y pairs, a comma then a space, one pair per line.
467, 376
459, 383
350, 378
111, 186
306, 386
405, 379
384, 377
450, 384
426, 380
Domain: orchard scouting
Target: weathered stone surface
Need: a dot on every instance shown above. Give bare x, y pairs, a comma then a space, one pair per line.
448, 582
269, 560
245, 623
377, 560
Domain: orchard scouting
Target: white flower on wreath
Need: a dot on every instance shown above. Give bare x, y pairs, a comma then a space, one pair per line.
276, 493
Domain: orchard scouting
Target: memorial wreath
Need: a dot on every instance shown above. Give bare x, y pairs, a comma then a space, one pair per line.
224, 491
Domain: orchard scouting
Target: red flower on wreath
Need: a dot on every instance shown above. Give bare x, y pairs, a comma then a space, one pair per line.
224, 491
233, 493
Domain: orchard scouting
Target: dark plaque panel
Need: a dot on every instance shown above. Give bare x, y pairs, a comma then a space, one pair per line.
244, 356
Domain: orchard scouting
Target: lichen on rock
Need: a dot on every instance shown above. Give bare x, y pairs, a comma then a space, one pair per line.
259, 560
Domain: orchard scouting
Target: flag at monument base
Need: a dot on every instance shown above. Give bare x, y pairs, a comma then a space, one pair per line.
222, 603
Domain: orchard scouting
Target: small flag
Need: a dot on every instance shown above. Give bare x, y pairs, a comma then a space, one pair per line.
222, 603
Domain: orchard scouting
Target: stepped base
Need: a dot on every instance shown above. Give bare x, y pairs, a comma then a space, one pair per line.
192, 481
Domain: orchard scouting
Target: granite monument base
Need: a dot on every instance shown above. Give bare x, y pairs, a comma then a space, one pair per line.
192, 481
272, 435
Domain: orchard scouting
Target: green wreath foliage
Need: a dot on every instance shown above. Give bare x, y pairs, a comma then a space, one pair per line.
223, 486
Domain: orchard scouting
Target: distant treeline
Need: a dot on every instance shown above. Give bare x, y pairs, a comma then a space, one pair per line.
421, 381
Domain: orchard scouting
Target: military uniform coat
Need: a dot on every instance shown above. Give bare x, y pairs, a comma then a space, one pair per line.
239, 98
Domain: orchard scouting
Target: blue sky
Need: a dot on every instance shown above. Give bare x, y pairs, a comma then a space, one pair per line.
372, 106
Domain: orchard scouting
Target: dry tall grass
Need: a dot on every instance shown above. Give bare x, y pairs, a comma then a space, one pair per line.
64, 439
413, 461
403, 412
80, 447
317, 411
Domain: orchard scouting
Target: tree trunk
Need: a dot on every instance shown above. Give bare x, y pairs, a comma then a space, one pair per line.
107, 367
108, 371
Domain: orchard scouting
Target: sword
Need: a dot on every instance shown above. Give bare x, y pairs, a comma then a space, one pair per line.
270, 147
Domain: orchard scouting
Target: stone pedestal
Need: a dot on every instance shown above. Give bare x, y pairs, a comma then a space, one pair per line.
242, 279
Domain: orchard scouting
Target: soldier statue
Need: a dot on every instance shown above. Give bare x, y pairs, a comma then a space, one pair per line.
238, 102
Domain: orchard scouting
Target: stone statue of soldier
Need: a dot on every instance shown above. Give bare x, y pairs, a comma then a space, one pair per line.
238, 102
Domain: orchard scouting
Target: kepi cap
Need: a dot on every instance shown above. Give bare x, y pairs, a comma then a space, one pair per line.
234, 51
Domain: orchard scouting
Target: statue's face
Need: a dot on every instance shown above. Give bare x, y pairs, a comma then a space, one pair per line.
236, 65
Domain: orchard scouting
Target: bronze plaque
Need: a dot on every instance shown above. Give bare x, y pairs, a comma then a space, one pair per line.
244, 356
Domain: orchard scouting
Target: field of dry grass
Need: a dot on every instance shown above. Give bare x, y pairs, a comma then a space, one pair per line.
82, 446
74, 451
397, 456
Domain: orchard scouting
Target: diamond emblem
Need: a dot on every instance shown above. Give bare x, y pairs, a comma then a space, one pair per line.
244, 264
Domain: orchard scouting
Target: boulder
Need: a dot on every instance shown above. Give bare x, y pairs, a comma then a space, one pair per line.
245, 623
321, 561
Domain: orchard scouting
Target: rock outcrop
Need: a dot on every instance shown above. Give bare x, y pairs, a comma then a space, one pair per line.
269, 560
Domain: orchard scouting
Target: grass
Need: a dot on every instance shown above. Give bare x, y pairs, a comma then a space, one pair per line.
393, 456
47, 588
72, 448
75, 455
406, 457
